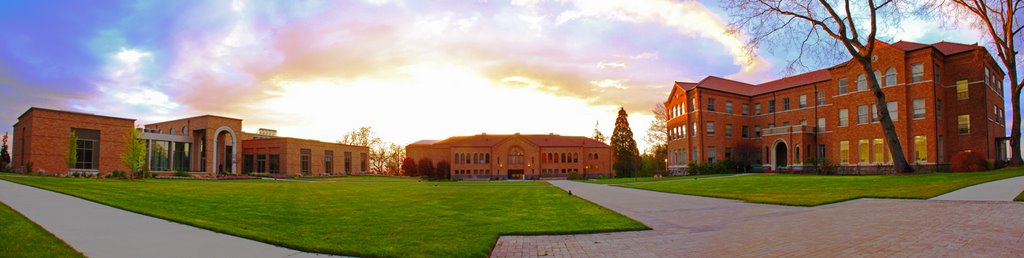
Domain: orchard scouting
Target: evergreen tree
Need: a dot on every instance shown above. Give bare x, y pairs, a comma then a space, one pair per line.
627, 157
409, 167
597, 133
5, 156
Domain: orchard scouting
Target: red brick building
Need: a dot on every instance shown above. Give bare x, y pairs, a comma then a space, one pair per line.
517, 156
943, 98
205, 146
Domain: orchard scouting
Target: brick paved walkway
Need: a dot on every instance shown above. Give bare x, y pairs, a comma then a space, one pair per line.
689, 226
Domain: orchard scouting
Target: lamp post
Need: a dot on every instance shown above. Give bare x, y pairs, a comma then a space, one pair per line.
666, 167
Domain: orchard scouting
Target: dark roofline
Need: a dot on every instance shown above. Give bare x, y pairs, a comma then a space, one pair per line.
193, 117
72, 112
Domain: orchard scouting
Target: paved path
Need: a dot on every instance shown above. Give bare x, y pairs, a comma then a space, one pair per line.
1002, 190
689, 226
102, 231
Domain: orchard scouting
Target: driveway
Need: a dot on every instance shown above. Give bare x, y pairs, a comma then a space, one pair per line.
1000, 190
102, 231
690, 226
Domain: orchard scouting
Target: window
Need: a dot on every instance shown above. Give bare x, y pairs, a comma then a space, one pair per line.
821, 124
986, 76
918, 108
87, 151
890, 77
305, 161
711, 154
820, 98
940, 158
821, 152
728, 153
771, 106
878, 77
803, 122
864, 149
844, 117
160, 156
696, 154
275, 164
785, 104
803, 101
247, 163
746, 109
261, 163
843, 86
563, 158
879, 148
894, 108
961, 90
328, 162
744, 131
711, 128
874, 113
862, 114
182, 156
862, 83
757, 108
694, 125
844, 152
728, 107
916, 72
757, 131
711, 104
936, 74
728, 130
348, 163
938, 108
515, 156
920, 148
963, 124
172, 131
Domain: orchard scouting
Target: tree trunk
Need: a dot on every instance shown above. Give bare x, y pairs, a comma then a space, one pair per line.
895, 148
1015, 159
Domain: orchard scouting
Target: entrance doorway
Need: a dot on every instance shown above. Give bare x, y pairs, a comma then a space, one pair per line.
780, 154
515, 174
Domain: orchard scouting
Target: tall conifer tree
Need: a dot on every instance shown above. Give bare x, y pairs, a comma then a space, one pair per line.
627, 157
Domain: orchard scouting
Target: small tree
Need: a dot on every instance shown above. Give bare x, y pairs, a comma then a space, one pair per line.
744, 155
5, 156
443, 170
426, 167
627, 157
409, 167
134, 156
72, 154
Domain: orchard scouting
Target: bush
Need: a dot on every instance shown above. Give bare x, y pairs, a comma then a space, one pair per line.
76, 174
182, 173
967, 161
573, 175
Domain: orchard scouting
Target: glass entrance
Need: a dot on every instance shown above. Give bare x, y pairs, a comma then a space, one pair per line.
515, 174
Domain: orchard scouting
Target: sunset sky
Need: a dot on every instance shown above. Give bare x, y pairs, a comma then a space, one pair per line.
411, 69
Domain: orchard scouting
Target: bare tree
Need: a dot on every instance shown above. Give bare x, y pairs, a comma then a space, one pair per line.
997, 18
816, 27
385, 157
657, 132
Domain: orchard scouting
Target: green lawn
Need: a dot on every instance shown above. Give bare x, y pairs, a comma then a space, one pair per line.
20, 237
1020, 198
611, 181
806, 190
360, 216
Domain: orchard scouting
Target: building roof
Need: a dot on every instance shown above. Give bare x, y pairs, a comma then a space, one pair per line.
70, 112
540, 140
193, 117
746, 89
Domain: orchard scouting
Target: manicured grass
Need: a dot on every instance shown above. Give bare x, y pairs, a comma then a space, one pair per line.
1020, 198
803, 190
626, 180
20, 237
360, 216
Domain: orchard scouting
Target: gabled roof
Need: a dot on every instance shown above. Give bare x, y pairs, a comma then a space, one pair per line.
745, 89
490, 140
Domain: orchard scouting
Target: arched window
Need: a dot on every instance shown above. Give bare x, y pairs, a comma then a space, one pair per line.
476, 158
890, 77
862, 83
515, 156
878, 77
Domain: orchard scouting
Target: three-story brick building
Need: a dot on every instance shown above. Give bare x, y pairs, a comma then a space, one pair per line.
943, 98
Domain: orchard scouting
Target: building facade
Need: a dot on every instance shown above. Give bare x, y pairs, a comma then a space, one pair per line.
517, 156
943, 98
205, 146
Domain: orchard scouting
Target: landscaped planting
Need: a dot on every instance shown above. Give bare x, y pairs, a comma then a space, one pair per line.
361, 216
20, 237
806, 190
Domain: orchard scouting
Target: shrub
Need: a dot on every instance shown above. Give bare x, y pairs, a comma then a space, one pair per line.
28, 168
967, 161
182, 173
573, 175
75, 175
116, 174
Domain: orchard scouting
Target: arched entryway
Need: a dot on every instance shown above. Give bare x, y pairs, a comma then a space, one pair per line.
224, 151
515, 163
781, 154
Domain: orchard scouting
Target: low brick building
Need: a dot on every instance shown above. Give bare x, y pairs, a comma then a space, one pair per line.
205, 146
516, 156
943, 98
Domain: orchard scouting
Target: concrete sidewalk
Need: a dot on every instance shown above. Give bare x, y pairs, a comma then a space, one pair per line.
102, 231
1001, 190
